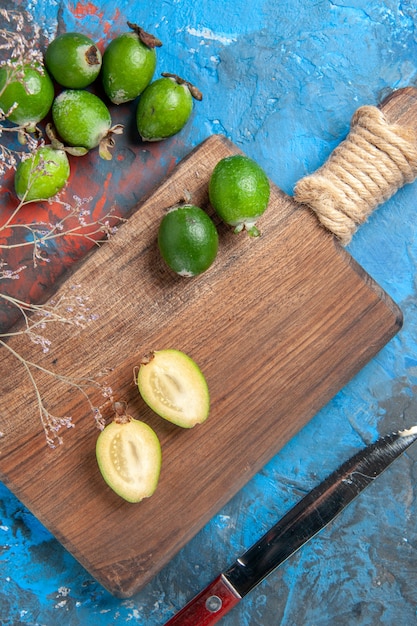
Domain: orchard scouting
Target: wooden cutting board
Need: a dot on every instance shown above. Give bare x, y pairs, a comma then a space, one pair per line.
278, 325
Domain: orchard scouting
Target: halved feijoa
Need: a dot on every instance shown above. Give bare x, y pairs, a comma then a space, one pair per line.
129, 456
173, 386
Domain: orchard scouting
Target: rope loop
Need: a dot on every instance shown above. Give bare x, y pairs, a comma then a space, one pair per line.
365, 170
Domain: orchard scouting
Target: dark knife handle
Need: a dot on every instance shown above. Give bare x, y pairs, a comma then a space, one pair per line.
209, 606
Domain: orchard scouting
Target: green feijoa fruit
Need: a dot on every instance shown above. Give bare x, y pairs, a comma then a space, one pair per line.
129, 63
239, 192
82, 119
165, 107
26, 94
128, 454
74, 60
174, 387
188, 240
42, 175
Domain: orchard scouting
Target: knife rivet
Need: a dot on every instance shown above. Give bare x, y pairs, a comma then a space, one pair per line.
213, 604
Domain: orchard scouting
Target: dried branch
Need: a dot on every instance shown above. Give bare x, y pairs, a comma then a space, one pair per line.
73, 308
51, 423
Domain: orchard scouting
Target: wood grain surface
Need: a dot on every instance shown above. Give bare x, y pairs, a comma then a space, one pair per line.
278, 325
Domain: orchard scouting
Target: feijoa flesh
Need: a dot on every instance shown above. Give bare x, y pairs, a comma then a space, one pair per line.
74, 60
26, 94
42, 175
129, 456
129, 63
174, 387
165, 107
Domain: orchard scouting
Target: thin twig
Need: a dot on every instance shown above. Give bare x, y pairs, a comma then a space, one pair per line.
50, 422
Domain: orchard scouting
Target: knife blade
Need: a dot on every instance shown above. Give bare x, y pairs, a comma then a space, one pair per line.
307, 518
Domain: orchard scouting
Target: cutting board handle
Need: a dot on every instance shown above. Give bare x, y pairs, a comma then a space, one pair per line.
378, 156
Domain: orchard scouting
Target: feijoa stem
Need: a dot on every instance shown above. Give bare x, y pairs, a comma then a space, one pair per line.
56, 144
52, 136
30, 128
196, 93
146, 38
120, 408
91, 56
253, 231
147, 358
108, 142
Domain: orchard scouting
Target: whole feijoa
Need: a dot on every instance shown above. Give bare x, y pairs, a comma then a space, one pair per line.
239, 192
83, 120
74, 60
129, 63
26, 94
165, 107
188, 240
42, 175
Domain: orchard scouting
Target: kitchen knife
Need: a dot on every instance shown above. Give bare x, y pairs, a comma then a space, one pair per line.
299, 525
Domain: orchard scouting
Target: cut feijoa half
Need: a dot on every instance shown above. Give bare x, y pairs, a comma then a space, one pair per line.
129, 456
174, 387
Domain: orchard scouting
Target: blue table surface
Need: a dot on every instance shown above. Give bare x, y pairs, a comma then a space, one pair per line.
281, 79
